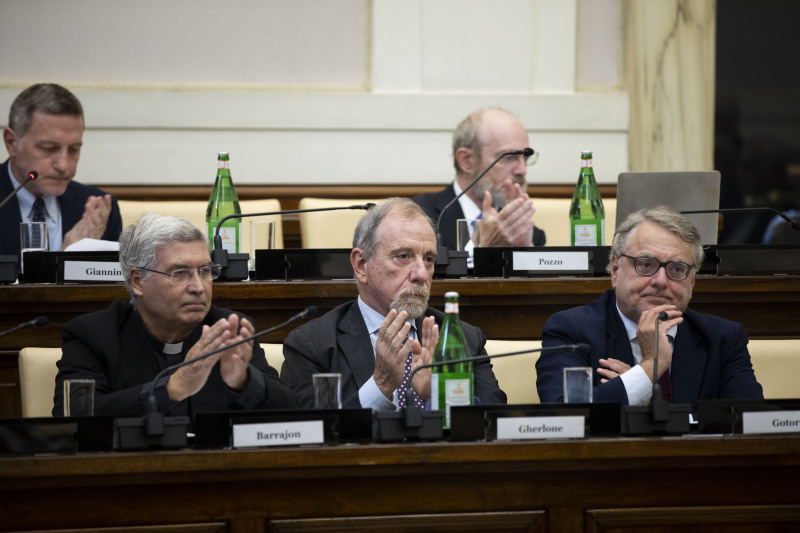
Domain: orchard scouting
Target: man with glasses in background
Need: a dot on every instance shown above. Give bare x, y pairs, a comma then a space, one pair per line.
169, 318
653, 261
500, 198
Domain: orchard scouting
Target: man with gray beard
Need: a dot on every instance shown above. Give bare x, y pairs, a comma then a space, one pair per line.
370, 340
500, 198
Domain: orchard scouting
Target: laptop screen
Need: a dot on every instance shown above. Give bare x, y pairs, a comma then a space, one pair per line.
683, 191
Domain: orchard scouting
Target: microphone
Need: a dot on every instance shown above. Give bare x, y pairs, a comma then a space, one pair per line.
413, 416
154, 420
32, 175
39, 321
442, 257
220, 255
794, 223
659, 406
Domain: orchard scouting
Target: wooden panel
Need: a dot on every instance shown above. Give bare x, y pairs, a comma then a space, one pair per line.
529, 522
742, 519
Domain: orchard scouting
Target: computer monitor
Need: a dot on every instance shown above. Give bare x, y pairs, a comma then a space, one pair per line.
684, 191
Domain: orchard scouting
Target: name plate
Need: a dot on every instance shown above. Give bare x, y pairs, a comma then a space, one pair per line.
278, 434
572, 261
541, 427
771, 422
92, 271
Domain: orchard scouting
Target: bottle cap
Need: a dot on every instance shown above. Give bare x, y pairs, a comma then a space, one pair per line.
586, 152
451, 294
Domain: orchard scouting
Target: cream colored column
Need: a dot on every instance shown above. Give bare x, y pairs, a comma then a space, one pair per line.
670, 81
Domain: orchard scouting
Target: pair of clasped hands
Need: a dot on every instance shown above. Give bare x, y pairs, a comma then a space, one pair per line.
513, 224
391, 352
234, 363
646, 334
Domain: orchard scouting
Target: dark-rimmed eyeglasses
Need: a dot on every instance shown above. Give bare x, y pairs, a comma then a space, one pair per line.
182, 276
648, 266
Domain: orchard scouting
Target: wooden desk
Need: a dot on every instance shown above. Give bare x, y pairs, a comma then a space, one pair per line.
503, 308
622, 484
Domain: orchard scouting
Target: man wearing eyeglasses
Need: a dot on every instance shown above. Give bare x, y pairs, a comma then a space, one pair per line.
169, 319
653, 261
500, 198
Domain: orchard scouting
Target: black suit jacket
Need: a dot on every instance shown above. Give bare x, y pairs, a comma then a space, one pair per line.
339, 342
434, 202
114, 348
710, 357
71, 203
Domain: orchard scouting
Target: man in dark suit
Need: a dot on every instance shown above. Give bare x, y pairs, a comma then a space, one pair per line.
169, 319
369, 340
653, 260
499, 199
45, 134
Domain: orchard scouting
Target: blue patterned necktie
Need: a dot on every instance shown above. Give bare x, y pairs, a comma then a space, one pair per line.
37, 215
401, 390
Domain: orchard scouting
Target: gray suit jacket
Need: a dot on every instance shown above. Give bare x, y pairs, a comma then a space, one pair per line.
339, 342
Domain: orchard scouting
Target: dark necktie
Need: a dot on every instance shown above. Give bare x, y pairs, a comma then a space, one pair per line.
401, 390
37, 215
666, 386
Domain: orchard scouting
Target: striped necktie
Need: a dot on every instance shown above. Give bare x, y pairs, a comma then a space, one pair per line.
37, 215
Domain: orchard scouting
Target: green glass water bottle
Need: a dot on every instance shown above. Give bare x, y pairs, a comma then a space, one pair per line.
587, 216
224, 202
451, 384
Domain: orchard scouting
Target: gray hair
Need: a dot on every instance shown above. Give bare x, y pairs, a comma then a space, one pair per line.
365, 236
666, 217
46, 97
140, 242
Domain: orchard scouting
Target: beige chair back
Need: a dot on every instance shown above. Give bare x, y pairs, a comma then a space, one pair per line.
776, 363
195, 212
552, 215
37, 380
329, 229
517, 373
274, 353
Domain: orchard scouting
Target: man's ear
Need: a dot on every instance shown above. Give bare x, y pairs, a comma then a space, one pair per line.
465, 157
136, 282
10, 140
359, 264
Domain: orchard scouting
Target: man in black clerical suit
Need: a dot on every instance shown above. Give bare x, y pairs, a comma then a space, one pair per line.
369, 340
168, 319
499, 199
45, 134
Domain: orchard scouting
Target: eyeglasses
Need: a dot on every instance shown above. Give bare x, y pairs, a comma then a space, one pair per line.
648, 266
512, 159
182, 276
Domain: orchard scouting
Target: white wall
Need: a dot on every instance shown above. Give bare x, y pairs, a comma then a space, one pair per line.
320, 91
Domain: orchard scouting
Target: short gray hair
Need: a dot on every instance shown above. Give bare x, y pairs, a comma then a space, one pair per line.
365, 236
140, 242
46, 97
666, 217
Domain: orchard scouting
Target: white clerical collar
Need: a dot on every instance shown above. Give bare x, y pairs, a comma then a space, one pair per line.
171, 349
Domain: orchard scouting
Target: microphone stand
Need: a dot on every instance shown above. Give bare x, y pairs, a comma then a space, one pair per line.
8, 263
154, 429
452, 263
795, 224
234, 266
32, 175
660, 417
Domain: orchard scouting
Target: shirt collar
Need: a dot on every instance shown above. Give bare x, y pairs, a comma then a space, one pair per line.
467, 205
26, 199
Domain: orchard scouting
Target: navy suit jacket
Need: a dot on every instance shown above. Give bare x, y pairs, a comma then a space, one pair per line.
434, 202
112, 347
71, 202
338, 341
710, 358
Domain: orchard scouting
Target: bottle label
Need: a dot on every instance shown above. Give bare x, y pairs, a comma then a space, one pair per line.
229, 233
224, 164
449, 389
451, 307
588, 233
586, 163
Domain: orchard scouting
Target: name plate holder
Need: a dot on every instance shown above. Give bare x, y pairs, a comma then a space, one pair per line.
493, 422
533, 261
298, 263
728, 417
239, 429
72, 267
